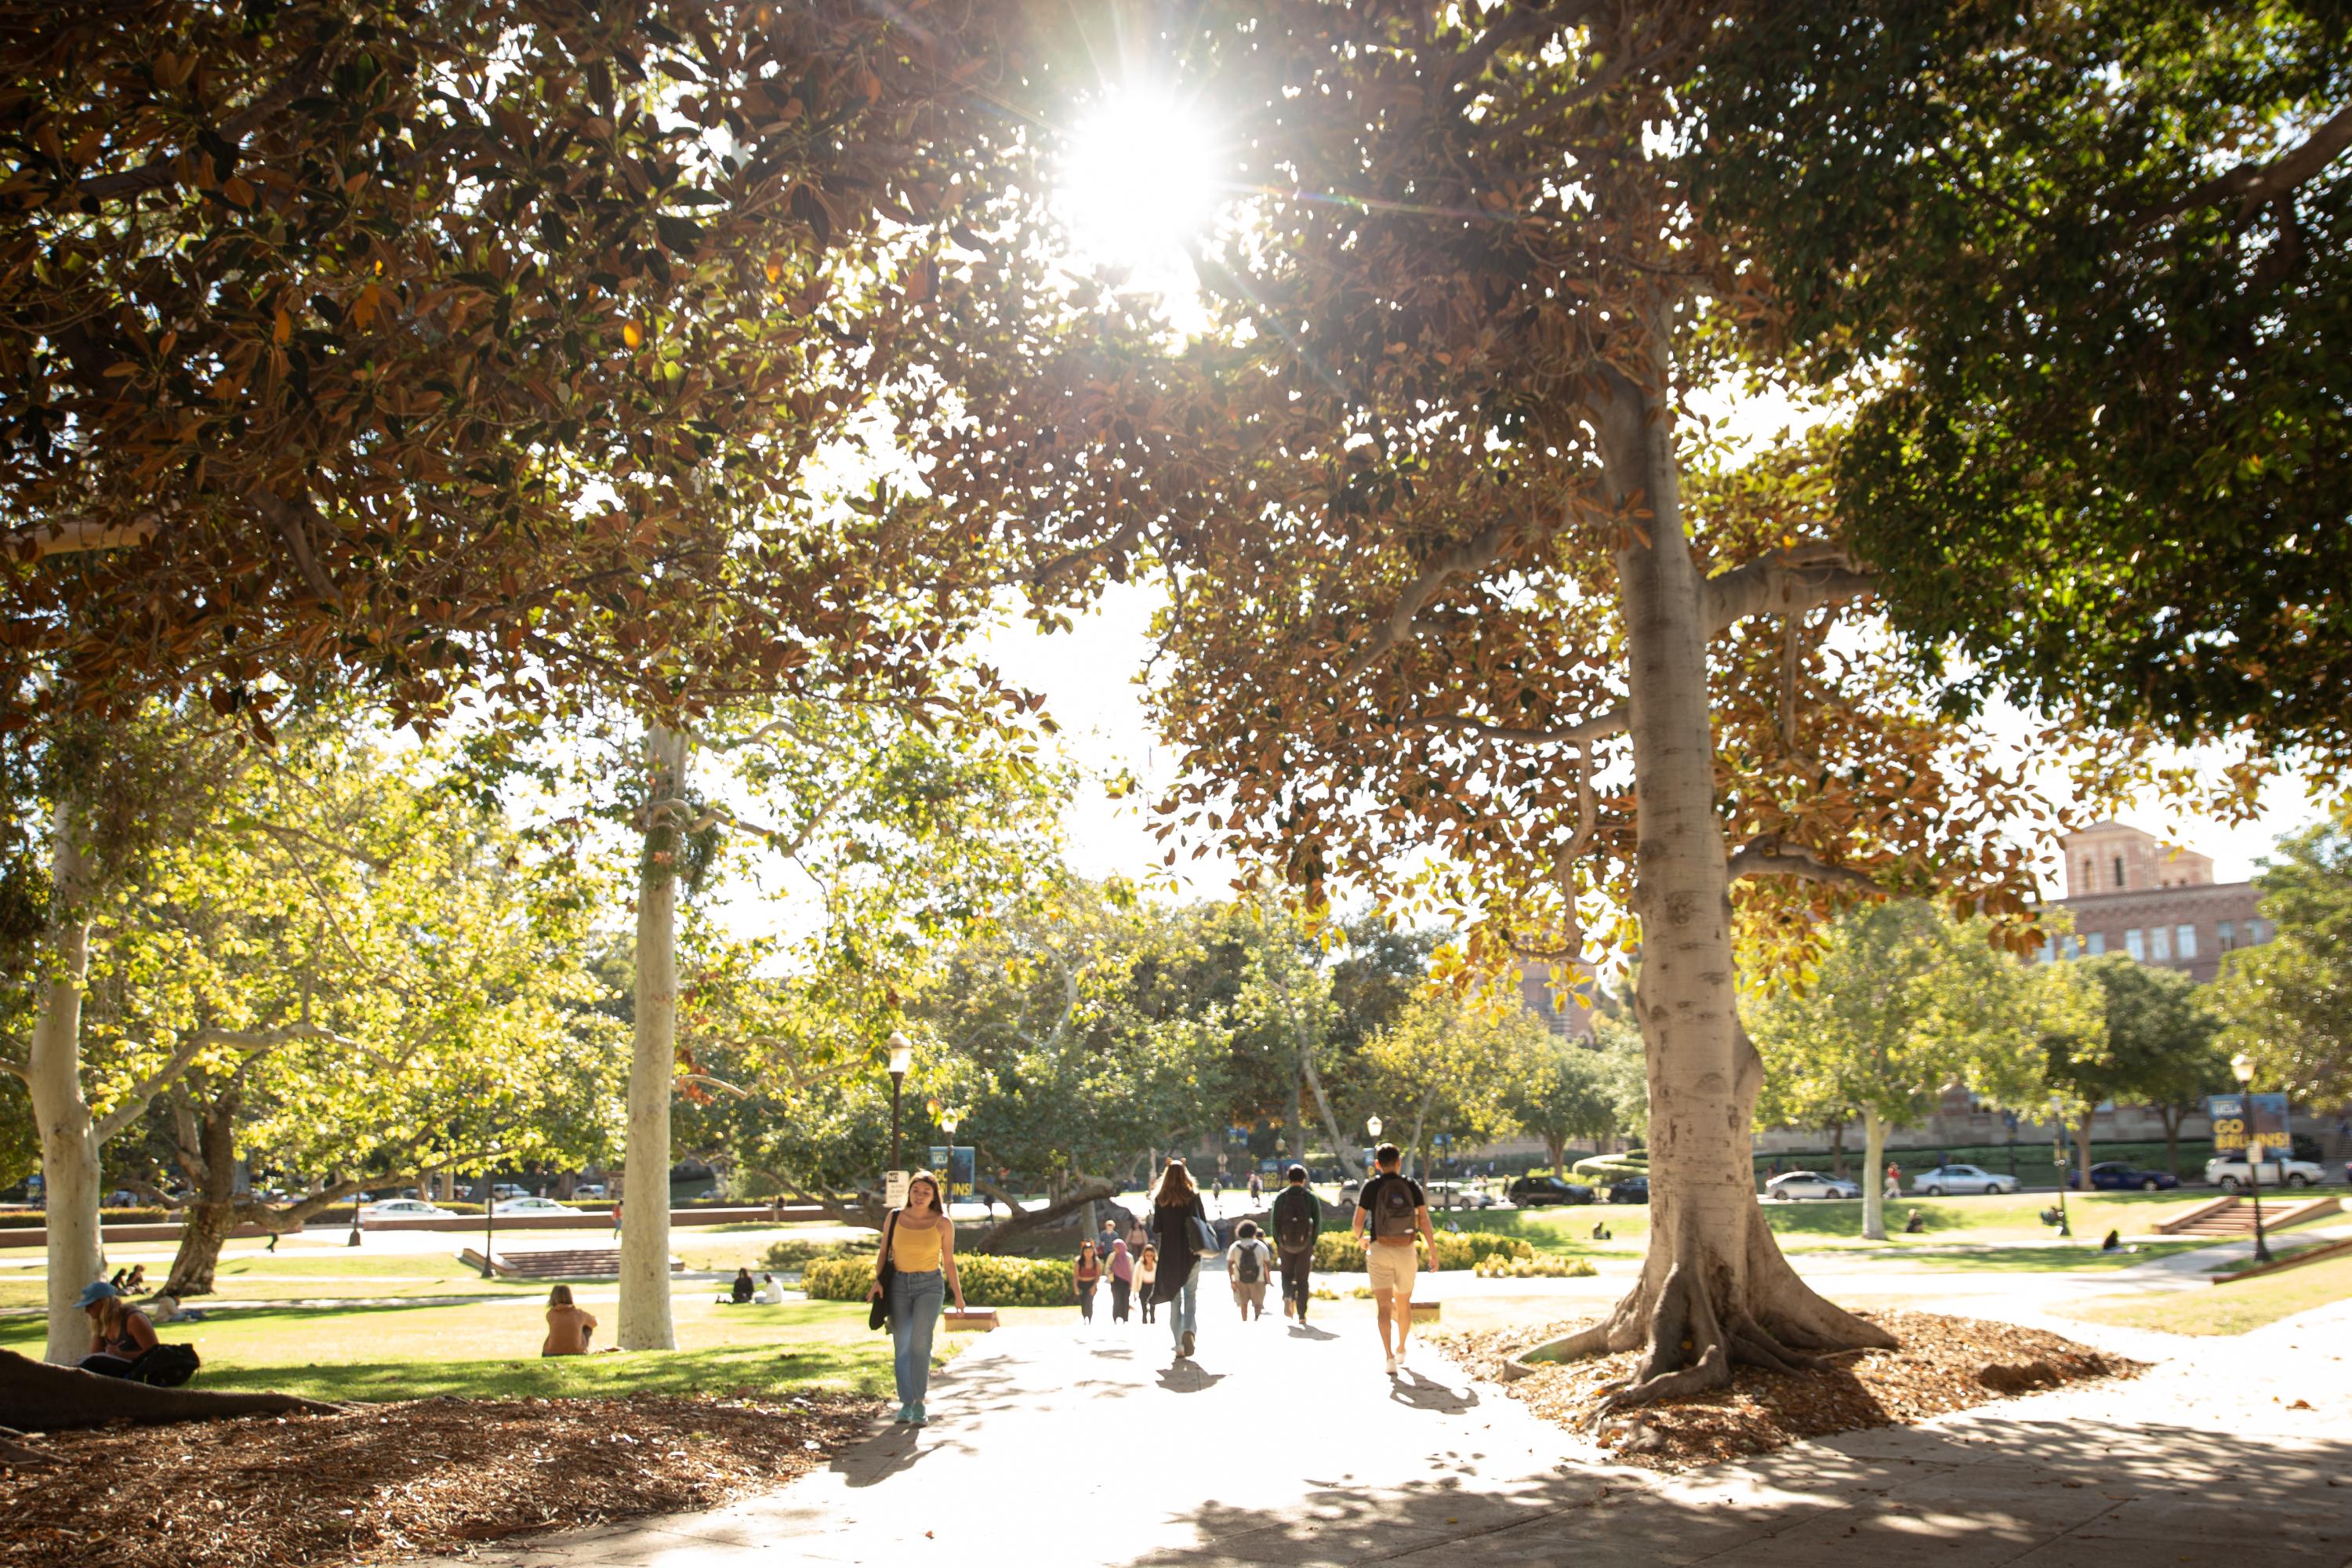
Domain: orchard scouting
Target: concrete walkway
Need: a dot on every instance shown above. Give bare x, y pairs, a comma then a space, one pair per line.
1279, 1446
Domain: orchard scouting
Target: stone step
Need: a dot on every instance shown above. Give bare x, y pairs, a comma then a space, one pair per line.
555, 1263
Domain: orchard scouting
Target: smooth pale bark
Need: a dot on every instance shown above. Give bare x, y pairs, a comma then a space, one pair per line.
1873, 1176
208, 1150
1714, 1289
1339, 1148
644, 1313
69, 1133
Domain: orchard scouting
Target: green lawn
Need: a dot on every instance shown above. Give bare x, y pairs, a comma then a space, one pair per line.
490, 1350
2226, 1309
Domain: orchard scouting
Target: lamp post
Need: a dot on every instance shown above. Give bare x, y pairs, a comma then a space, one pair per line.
947, 1126
902, 1056
2241, 1067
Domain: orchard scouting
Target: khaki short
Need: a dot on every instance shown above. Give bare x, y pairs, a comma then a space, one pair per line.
1392, 1266
1250, 1295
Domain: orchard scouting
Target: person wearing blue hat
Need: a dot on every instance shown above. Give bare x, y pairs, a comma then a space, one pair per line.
119, 1333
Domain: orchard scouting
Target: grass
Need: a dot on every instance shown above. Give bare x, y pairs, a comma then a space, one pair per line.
490, 1350
2226, 1309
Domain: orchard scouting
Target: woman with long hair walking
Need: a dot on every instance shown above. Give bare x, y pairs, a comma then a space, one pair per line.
1177, 1213
1147, 1265
918, 1241
1084, 1276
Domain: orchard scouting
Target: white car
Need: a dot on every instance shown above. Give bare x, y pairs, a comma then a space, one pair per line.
1808, 1184
407, 1208
1945, 1179
530, 1206
2229, 1172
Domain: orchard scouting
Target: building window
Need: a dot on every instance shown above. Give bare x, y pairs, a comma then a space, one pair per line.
2132, 945
2184, 941
2255, 934
2160, 944
2225, 935
2119, 871
2098, 942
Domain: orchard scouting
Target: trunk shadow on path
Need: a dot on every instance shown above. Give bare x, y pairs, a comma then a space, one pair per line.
1068, 1447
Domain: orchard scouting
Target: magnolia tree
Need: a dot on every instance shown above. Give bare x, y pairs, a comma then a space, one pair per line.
1465, 605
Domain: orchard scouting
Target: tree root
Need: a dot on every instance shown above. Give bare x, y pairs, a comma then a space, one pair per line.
15, 1450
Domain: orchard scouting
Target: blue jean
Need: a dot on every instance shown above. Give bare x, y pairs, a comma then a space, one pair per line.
1184, 1311
915, 1304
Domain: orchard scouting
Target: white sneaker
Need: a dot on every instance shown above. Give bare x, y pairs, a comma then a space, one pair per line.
1394, 1362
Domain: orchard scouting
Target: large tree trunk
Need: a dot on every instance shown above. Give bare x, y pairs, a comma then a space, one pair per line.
1714, 1289
38, 1398
645, 1315
69, 1141
208, 1152
2083, 1148
1873, 1176
1348, 1161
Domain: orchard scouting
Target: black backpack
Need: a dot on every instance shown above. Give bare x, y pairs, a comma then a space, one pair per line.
165, 1366
1294, 1220
1246, 1264
1392, 1208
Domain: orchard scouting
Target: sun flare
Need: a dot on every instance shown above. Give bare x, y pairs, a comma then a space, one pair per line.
1137, 182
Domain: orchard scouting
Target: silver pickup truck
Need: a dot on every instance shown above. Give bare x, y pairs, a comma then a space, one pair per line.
2229, 1172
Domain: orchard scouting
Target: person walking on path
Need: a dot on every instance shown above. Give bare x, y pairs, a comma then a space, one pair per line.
919, 1244
617, 1217
1257, 1187
1084, 1276
1105, 1239
1178, 1215
1147, 1266
1121, 1269
1247, 1263
1894, 1181
1389, 1211
1297, 1219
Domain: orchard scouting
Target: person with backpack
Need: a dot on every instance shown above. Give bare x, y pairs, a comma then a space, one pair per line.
1248, 1261
1297, 1219
1389, 1211
120, 1334
1180, 1224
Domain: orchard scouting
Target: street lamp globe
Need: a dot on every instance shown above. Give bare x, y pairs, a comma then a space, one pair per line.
902, 1053
947, 1124
1373, 1125
2242, 1068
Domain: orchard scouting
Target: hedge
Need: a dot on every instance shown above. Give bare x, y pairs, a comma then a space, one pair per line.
1337, 1252
988, 1281
1542, 1266
796, 1252
1613, 1167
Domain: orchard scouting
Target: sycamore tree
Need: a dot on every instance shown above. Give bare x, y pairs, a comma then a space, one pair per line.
1465, 608
2158, 1046
394, 987
1904, 1002
2288, 1002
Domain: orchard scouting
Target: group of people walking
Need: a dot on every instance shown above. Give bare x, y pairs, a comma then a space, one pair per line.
1158, 1262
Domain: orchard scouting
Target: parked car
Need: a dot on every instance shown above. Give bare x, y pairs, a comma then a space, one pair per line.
589, 1190
1528, 1191
1630, 1190
2115, 1176
1459, 1196
407, 1208
1790, 1184
2229, 1172
1942, 1179
528, 1205
509, 1190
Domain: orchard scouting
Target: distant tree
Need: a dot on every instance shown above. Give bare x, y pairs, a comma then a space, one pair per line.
1559, 1093
1905, 1001
2158, 1046
2288, 1002
1454, 1061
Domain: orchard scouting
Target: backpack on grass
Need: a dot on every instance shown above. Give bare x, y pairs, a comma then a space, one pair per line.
165, 1366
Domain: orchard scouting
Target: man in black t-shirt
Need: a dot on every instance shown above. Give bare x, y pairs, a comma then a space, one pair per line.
1391, 1212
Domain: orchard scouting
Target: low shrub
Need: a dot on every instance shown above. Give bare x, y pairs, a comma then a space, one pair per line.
1337, 1252
796, 1252
1537, 1266
988, 1281
1605, 1168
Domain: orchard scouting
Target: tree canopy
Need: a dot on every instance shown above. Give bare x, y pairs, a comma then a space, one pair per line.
2288, 1002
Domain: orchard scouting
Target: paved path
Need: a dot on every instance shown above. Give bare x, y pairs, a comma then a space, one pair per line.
1286, 1447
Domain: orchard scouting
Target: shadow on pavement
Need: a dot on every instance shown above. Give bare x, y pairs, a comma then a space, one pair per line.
1417, 1389
2036, 1494
1189, 1377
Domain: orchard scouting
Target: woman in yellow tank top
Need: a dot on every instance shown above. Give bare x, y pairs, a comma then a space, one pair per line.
920, 1244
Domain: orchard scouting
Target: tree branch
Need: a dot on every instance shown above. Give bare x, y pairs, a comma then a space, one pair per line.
2253, 185
1459, 560
290, 520
706, 1081
1786, 582
1601, 725
47, 539
253, 1042
1767, 856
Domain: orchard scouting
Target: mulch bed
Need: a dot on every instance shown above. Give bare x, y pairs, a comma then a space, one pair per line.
392, 1480
1944, 1363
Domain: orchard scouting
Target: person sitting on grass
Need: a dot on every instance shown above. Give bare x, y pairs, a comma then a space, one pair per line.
568, 1327
119, 1333
771, 1293
2114, 1242
1915, 1224
740, 1293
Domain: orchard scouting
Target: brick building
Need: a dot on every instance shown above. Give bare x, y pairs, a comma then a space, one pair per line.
2129, 891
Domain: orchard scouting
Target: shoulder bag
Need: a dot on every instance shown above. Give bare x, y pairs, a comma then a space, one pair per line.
878, 1314
1203, 1234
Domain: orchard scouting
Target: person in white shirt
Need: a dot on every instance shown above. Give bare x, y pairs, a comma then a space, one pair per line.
771, 1293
